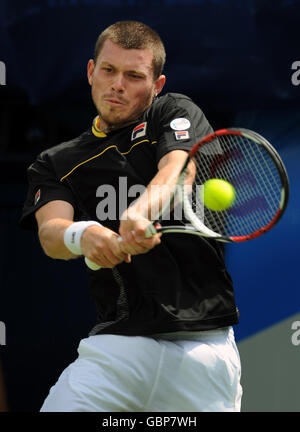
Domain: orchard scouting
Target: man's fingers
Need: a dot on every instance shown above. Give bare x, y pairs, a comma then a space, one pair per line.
108, 259
100, 260
140, 236
106, 252
128, 258
138, 244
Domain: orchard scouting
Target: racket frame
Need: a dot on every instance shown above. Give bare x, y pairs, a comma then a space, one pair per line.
198, 227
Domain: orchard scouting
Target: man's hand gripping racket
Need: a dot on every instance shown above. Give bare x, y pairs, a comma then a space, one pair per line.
238, 192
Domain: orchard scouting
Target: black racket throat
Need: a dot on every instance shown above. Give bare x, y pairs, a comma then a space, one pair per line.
189, 229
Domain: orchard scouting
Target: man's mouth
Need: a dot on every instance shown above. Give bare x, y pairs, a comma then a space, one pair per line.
113, 101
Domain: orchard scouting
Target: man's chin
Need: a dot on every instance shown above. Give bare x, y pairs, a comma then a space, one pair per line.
116, 121
111, 119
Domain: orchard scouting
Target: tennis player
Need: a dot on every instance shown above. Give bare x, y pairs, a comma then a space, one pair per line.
163, 338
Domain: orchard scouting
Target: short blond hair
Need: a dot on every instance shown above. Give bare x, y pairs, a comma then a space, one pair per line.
134, 35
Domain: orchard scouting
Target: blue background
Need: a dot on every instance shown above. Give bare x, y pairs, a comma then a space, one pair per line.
234, 59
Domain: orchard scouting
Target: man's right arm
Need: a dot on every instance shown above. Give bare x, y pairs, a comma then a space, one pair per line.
98, 243
53, 219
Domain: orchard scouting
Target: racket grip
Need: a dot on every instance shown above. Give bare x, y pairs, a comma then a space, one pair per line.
91, 265
150, 231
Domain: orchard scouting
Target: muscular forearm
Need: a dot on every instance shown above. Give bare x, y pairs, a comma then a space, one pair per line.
59, 235
51, 234
136, 219
159, 190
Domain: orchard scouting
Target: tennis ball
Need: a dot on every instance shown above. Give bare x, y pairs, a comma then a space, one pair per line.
218, 194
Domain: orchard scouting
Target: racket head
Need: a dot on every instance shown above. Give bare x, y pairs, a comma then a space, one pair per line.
253, 167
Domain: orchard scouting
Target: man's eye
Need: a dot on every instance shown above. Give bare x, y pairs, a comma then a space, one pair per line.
135, 76
107, 69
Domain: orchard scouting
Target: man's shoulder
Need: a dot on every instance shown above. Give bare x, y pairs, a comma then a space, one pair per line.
64, 156
170, 101
173, 98
70, 148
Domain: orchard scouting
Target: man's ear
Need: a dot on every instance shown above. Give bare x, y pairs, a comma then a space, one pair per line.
90, 71
159, 83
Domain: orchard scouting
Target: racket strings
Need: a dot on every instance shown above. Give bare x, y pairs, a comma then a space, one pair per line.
266, 175
248, 166
256, 183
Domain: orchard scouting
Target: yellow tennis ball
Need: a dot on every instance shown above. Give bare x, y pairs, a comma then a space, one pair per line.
218, 194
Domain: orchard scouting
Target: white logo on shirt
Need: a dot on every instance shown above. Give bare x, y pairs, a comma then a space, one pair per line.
180, 124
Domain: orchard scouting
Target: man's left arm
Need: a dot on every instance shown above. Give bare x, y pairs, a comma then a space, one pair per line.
140, 214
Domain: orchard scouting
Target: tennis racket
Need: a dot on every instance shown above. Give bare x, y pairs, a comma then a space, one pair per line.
251, 165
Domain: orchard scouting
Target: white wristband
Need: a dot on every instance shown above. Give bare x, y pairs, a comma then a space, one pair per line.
73, 233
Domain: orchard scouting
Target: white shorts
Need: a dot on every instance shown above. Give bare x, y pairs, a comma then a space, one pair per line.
185, 371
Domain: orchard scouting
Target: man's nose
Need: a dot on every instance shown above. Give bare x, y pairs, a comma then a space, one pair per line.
118, 83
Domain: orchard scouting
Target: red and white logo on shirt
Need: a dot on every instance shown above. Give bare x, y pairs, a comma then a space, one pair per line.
139, 131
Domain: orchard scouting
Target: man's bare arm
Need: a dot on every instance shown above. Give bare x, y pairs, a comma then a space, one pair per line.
53, 219
162, 185
98, 243
140, 214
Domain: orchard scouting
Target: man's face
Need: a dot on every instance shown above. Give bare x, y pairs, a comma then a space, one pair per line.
122, 83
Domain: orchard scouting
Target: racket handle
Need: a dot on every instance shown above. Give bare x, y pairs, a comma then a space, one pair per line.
91, 265
150, 231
